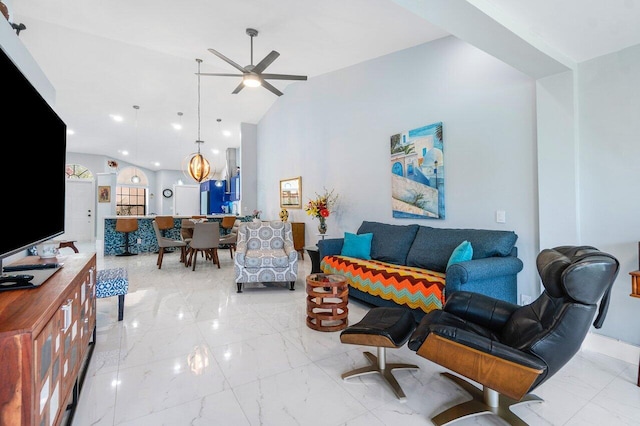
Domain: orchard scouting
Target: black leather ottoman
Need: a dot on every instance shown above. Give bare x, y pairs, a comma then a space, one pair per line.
383, 328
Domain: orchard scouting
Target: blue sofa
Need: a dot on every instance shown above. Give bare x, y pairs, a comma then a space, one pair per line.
408, 265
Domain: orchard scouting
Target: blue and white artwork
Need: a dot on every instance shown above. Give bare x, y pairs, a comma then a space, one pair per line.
417, 173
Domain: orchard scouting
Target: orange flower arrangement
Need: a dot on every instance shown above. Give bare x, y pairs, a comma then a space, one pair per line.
321, 208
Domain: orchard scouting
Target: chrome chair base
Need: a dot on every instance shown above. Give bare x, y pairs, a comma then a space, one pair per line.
379, 365
485, 401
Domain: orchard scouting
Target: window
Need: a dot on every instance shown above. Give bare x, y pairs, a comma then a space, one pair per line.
130, 201
77, 171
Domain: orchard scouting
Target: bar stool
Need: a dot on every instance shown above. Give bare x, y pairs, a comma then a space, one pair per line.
126, 225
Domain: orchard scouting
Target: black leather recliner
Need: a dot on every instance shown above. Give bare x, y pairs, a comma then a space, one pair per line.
510, 349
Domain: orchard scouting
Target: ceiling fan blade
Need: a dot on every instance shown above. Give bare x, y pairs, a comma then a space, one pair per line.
220, 74
283, 77
270, 88
238, 89
263, 64
229, 61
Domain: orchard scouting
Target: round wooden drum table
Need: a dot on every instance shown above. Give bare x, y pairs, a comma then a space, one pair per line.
327, 296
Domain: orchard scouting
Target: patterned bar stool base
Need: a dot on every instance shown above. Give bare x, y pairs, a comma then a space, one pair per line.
384, 328
113, 282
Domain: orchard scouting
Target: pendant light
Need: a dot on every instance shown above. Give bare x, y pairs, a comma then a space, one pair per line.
135, 178
198, 168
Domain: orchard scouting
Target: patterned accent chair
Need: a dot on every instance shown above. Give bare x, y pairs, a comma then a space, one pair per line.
265, 254
113, 282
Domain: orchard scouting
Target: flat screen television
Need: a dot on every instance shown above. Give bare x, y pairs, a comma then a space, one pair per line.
33, 167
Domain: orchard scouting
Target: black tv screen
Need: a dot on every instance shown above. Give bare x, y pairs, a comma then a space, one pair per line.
33, 167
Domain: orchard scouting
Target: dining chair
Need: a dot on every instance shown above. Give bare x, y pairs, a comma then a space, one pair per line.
206, 239
227, 223
164, 223
186, 230
229, 241
164, 243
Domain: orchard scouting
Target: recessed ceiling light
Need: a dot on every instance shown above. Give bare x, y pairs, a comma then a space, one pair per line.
226, 133
157, 164
71, 132
215, 151
124, 152
116, 118
176, 126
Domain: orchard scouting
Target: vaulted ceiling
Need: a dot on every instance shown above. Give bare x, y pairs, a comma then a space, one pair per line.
103, 57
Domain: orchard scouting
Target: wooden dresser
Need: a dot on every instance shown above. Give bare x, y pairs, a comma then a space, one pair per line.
46, 341
297, 228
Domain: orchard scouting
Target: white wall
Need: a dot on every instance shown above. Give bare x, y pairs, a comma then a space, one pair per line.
557, 161
15, 50
609, 112
334, 130
249, 165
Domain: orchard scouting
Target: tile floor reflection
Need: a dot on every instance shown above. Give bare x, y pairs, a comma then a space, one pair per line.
192, 351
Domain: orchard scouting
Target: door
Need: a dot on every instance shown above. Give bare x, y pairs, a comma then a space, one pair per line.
79, 221
186, 200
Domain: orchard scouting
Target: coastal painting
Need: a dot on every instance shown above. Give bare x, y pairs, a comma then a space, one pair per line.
417, 173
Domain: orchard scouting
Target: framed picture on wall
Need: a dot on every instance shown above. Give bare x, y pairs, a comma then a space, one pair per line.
104, 194
417, 173
291, 193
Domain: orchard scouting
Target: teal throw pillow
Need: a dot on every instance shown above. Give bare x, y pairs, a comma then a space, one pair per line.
462, 253
358, 246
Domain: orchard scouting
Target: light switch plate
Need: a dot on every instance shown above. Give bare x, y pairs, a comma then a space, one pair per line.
501, 216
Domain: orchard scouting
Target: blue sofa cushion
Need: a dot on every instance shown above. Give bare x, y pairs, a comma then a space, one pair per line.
462, 253
432, 247
391, 243
358, 246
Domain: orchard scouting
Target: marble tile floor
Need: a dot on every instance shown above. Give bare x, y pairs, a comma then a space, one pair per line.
192, 351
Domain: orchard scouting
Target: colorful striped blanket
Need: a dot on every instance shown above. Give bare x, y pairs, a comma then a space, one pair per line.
415, 288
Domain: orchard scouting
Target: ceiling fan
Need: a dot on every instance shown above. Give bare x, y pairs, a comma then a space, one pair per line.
252, 75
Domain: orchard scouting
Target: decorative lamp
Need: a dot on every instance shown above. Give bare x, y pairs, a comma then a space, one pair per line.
135, 178
198, 167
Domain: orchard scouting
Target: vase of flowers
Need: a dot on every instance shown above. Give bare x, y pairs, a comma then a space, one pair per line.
321, 207
322, 226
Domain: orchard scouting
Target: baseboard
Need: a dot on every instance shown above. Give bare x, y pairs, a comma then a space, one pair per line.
611, 347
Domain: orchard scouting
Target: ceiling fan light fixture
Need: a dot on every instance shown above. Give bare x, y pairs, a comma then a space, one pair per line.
251, 80
253, 75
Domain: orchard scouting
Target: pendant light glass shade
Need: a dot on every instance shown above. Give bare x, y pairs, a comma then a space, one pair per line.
198, 167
